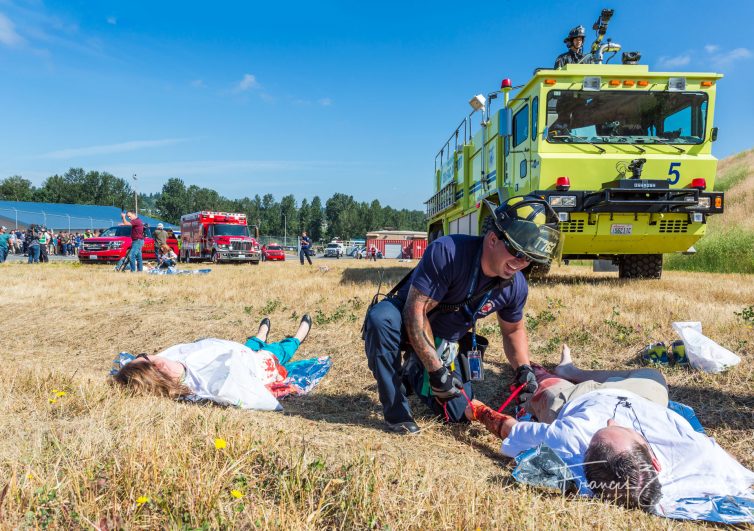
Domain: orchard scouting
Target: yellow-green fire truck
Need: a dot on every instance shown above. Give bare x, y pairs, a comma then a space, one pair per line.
623, 155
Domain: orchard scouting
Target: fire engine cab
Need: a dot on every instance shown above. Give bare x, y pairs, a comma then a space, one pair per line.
219, 237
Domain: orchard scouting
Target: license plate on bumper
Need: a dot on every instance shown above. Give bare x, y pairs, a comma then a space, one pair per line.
622, 230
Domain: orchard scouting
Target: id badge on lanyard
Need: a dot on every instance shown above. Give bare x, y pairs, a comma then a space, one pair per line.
474, 356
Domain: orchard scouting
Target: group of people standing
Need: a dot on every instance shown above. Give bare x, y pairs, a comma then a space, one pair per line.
39, 242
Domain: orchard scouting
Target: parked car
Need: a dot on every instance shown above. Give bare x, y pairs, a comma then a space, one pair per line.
273, 252
334, 250
114, 243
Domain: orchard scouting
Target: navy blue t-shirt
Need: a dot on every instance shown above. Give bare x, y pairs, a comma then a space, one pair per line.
445, 273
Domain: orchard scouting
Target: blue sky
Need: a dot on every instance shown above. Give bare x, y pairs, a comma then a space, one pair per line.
309, 97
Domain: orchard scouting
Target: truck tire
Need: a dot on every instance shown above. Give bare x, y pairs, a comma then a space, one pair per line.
640, 266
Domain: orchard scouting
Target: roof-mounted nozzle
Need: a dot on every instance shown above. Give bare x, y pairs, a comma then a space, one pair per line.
631, 58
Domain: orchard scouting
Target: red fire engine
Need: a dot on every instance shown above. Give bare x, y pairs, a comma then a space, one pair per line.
218, 236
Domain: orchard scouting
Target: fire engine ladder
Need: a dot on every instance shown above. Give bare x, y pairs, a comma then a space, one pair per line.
442, 200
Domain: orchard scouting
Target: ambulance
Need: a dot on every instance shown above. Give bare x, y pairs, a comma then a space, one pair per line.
218, 237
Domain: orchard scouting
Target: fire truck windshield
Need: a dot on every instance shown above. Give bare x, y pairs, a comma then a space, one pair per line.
224, 229
626, 117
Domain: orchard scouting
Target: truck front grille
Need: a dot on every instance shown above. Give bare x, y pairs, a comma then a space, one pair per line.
95, 246
240, 246
572, 226
673, 226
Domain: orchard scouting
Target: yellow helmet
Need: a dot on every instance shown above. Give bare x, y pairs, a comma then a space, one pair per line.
530, 226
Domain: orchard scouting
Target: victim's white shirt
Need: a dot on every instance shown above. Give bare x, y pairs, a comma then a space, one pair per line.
692, 464
227, 372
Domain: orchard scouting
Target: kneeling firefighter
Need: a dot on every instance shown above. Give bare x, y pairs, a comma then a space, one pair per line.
431, 314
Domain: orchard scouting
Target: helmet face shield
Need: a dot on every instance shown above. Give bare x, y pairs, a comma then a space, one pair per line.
538, 243
531, 227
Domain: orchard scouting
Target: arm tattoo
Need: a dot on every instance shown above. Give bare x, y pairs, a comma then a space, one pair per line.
418, 328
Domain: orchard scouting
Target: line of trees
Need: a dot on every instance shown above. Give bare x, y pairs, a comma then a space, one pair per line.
340, 216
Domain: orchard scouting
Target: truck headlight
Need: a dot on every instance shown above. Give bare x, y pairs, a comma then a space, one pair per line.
563, 201
704, 203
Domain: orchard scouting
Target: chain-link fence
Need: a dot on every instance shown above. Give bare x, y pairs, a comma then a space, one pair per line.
16, 218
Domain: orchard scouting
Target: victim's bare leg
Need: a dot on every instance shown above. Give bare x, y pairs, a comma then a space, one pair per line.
568, 371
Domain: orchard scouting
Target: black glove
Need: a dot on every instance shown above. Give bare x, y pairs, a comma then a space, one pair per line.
525, 375
445, 386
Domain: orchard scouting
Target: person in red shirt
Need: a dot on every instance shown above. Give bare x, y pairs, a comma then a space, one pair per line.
137, 239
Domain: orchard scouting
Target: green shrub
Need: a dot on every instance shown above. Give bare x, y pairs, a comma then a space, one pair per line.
724, 252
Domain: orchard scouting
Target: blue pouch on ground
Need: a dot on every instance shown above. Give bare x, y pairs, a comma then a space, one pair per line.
721, 509
305, 374
541, 467
687, 413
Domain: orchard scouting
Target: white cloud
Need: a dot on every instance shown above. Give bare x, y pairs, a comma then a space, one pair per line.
198, 83
711, 48
674, 62
122, 147
248, 82
112, 20
8, 34
325, 102
726, 59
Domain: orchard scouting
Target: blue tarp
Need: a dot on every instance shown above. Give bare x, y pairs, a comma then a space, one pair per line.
62, 216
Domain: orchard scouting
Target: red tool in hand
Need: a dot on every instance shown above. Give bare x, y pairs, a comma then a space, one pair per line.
514, 394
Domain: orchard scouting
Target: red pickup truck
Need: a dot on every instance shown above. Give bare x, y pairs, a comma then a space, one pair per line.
115, 242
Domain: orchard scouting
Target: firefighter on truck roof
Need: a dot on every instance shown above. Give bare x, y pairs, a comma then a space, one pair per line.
575, 43
429, 313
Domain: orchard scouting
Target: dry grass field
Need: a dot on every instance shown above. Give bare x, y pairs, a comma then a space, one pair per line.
79, 454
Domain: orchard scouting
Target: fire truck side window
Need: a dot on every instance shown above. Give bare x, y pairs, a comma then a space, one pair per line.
521, 125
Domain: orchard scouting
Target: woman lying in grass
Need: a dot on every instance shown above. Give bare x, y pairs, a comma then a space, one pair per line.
219, 370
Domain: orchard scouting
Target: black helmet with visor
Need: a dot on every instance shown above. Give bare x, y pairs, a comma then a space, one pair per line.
578, 31
529, 225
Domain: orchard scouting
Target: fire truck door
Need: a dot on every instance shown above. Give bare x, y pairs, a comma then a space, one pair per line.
520, 150
207, 234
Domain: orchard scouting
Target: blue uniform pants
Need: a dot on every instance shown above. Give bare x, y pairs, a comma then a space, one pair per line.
304, 253
382, 341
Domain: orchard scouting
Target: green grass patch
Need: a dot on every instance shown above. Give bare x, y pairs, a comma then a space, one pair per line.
732, 177
724, 252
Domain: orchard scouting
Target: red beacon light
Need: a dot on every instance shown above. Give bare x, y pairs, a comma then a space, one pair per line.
506, 84
699, 183
562, 184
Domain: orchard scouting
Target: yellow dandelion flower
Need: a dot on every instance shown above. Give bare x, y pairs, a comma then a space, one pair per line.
55, 391
220, 444
141, 500
29, 476
60, 393
236, 493
52, 400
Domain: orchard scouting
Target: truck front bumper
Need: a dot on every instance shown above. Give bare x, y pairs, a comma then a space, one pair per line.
617, 221
239, 256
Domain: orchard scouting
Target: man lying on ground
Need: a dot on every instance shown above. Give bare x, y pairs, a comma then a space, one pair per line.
616, 433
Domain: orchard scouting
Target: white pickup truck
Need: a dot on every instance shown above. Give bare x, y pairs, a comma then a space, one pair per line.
334, 250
